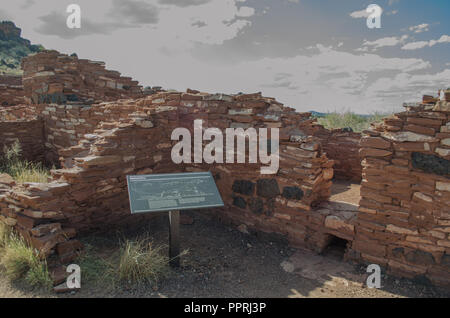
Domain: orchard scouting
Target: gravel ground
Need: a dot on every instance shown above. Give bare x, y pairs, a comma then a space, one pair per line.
223, 262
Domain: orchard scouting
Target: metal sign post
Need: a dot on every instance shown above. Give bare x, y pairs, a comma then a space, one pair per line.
172, 193
174, 238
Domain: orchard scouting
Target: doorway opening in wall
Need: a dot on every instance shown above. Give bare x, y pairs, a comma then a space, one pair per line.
336, 248
345, 191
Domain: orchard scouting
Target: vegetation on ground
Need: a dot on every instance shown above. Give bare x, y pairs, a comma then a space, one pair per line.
351, 120
142, 261
21, 170
138, 261
20, 261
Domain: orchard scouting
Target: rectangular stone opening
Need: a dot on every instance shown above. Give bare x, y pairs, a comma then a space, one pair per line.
336, 248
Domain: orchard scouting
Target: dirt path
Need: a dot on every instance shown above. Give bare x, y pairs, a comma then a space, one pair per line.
224, 262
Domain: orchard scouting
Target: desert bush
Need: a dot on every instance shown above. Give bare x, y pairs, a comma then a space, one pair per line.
19, 169
142, 261
349, 120
20, 261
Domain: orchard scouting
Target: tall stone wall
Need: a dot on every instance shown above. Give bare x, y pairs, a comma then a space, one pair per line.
404, 215
52, 77
11, 90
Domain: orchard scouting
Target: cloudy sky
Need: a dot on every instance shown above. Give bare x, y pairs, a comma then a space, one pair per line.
309, 54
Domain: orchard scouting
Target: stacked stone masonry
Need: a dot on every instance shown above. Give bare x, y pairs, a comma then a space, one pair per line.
21, 124
52, 77
97, 146
11, 90
342, 146
82, 125
404, 216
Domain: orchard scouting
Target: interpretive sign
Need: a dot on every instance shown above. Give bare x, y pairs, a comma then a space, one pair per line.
173, 192
176, 191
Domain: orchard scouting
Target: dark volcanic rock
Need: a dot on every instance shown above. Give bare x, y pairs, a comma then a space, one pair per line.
239, 202
293, 193
267, 188
445, 261
419, 257
256, 205
243, 187
430, 163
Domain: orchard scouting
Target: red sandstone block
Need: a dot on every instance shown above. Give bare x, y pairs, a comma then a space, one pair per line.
372, 152
370, 247
375, 142
424, 122
421, 129
411, 146
25, 222
45, 229
68, 247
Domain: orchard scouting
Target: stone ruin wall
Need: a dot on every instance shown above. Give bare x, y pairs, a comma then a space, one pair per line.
52, 77
90, 191
404, 216
97, 145
11, 90
20, 123
342, 146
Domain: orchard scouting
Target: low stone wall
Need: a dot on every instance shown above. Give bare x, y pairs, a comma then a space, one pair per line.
20, 123
11, 91
133, 137
52, 77
342, 146
404, 216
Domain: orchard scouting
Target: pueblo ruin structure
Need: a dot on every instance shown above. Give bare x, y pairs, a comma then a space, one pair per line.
96, 127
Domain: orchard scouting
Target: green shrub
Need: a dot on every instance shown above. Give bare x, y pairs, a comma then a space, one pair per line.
348, 119
22, 261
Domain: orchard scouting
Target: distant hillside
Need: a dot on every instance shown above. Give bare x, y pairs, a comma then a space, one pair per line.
13, 48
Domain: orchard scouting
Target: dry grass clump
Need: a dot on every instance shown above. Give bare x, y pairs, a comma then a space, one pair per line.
142, 261
19, 169
136, 261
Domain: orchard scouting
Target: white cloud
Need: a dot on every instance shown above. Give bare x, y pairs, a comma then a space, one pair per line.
424, 27
327, 80
164, 54
408, 87
422, 44
387, 41
393, 12
359, 14
245, 12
